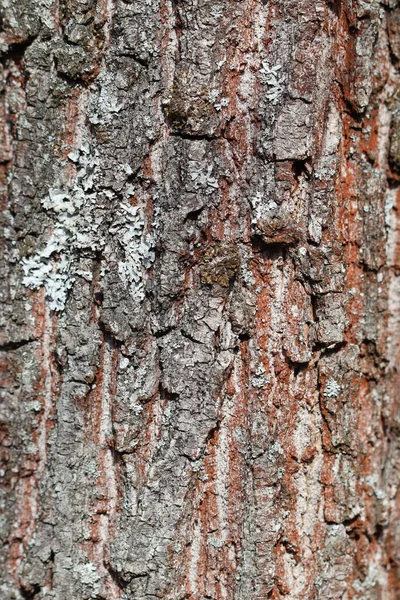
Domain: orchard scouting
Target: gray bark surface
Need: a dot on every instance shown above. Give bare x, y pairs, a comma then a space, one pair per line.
200, 311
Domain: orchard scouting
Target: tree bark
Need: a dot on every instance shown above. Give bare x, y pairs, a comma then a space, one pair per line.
201, 301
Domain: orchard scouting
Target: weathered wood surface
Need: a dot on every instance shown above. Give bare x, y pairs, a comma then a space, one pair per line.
201, 299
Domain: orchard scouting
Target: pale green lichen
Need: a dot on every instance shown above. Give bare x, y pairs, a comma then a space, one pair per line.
52, 266
76, 228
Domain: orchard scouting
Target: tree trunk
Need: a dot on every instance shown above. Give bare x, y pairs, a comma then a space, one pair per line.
201, 320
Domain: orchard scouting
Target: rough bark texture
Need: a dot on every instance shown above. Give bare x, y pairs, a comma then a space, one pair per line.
202, 310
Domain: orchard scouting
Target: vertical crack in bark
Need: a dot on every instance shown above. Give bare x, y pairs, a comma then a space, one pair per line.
107, 476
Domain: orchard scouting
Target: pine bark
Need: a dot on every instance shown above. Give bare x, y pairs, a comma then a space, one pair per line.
201, 299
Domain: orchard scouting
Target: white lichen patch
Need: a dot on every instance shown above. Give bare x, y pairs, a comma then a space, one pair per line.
128, 227
52, 267
213, 96
332, 389
270, 76
204, 179
324, 169
88, 573
247, 275
76, 228
261, 205
259, 379
221, 104
137, 409
275, 450
372, 481
124, 363
55, 278
197, 466
215, 542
